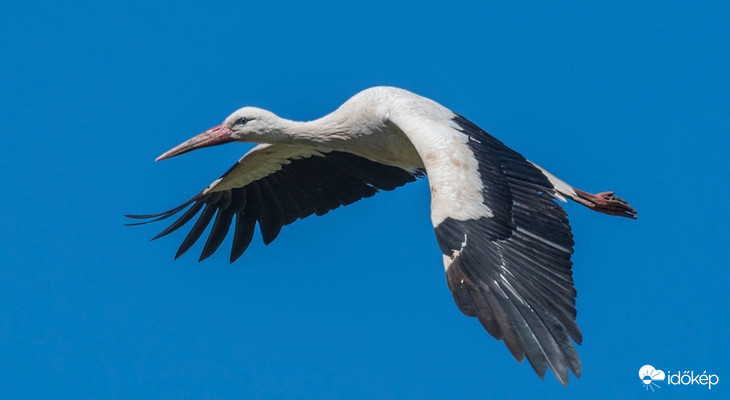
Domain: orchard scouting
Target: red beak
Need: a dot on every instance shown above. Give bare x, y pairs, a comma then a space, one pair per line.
212, 137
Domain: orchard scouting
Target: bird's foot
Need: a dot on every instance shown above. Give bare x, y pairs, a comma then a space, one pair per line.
606, 203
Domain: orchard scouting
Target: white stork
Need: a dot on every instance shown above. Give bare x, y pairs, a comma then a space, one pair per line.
506, 243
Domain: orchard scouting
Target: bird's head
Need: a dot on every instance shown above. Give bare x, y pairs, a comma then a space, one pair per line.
248, 124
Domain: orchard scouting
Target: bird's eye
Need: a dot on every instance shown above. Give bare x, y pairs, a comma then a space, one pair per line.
241, 121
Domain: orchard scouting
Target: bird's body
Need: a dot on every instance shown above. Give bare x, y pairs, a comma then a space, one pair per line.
506, 243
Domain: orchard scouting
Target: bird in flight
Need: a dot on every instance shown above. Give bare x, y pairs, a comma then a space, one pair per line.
506, 242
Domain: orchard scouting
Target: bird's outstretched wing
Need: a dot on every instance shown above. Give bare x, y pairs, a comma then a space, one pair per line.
512, 269
274, 185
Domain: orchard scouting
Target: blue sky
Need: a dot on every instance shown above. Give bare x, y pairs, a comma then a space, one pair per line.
623, 96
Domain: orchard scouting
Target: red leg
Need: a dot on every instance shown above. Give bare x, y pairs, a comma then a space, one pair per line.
606, 203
